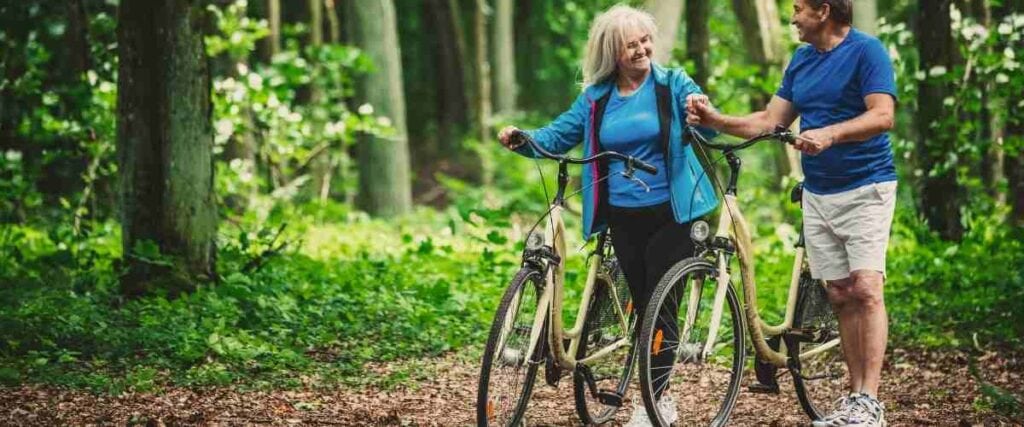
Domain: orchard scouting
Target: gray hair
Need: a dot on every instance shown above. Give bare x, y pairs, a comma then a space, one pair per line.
841, 11
607, 38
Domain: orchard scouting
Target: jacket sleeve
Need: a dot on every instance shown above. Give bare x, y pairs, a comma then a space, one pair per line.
682, 86
562, 134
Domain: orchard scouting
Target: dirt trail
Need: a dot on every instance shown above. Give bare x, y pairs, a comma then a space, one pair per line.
920, 389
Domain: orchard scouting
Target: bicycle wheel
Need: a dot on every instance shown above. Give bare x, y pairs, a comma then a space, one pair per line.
820, 376
602, 328
705, 383
506, 373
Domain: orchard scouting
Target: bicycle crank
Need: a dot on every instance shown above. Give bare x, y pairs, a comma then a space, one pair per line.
607, 398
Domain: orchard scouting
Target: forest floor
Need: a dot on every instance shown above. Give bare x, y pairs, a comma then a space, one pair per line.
920, 388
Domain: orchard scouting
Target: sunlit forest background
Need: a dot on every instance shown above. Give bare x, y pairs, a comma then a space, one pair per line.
275, 193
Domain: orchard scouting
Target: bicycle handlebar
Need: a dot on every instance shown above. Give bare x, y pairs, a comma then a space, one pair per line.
780, 133
630, 160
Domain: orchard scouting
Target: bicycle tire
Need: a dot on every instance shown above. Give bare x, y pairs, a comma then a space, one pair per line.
724, 370
525, 369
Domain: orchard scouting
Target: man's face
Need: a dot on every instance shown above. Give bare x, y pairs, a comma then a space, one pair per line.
808, 22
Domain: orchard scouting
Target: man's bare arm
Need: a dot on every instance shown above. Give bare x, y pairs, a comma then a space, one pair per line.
778, 112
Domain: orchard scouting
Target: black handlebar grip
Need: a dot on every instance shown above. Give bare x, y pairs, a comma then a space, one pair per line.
644, 166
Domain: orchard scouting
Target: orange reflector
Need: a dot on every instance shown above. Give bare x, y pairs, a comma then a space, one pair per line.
629, 307
490, 409
657, 341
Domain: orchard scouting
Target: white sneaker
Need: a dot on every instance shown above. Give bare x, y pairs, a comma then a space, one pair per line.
867, 412
639, 418
840, 414
666, 407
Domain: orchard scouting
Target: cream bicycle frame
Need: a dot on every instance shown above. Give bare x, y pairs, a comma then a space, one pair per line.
730, 220
550, 303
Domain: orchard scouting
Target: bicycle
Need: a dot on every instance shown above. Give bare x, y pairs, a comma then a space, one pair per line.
709, 349
528, 331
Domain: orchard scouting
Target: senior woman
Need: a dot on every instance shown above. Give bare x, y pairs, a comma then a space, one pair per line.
633, 106
841, 85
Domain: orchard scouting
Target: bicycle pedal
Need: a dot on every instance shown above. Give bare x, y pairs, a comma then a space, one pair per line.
552, 372
764, 388
609, 398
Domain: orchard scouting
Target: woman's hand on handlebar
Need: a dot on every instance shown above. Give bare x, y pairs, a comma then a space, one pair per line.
505, 136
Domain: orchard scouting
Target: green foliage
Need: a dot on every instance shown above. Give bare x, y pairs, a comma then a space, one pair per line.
347, 298
269, 109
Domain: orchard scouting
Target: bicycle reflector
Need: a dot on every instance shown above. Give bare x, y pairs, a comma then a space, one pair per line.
700, 231
534, 241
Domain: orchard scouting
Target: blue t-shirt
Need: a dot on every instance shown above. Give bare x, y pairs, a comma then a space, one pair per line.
630, 126
828, 88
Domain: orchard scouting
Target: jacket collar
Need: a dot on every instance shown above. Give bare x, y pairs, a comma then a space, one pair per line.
596, 91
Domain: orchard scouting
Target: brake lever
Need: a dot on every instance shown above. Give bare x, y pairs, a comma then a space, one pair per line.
628, 173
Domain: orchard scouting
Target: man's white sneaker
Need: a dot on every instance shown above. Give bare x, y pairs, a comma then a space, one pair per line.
666, 407
867, 412
840, 414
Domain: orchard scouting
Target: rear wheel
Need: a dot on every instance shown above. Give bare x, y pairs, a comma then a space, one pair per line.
706, 383
507, 373
608, 306
820, 376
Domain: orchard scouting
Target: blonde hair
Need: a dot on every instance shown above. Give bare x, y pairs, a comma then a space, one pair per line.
607, 38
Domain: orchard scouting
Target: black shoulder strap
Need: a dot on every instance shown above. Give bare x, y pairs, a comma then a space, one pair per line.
664, 97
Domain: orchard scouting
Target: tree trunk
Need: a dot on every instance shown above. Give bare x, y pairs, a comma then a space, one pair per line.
76, 38
384, 176
698, 40
332, 21
483, 72
450, 57
165, 146
667, 13
504, 57
865, 16
941, 193
320, 184
272, 43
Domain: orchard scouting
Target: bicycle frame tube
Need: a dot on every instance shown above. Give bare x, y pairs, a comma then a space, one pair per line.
733, 223
551, 302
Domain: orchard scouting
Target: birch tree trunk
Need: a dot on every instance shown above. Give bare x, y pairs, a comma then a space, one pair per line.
667, 13
504, 58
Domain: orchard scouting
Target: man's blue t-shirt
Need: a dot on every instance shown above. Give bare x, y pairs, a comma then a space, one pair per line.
630, 126
828, 88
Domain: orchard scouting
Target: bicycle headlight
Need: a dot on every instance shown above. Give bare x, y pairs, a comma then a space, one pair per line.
534, 241
700, 231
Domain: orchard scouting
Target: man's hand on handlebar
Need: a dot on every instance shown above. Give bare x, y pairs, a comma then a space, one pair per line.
814, 141
699, 111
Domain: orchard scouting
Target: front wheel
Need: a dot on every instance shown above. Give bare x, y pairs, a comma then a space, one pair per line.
507, 372
678, 369
819, 371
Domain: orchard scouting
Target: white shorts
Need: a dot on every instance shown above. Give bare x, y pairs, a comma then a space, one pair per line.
848, 231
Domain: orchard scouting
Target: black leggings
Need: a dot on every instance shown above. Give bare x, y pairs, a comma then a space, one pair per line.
648, 241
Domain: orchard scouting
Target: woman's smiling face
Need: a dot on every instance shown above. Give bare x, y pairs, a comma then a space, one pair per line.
635, 56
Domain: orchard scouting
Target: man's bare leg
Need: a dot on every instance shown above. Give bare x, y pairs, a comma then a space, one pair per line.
847, 312
867, 296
